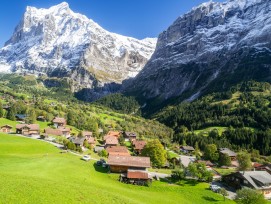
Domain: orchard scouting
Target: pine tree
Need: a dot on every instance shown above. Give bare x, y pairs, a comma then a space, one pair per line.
11, 113
1, 110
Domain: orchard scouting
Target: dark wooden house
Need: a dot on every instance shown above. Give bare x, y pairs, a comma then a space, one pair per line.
120, 164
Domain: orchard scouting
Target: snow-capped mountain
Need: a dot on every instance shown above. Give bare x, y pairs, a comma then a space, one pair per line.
58, 42
210, 48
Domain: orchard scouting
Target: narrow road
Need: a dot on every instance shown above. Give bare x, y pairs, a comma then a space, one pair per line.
59, 146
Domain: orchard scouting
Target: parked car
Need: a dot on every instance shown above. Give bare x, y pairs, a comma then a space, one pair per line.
215, 188
101, 162
86, 157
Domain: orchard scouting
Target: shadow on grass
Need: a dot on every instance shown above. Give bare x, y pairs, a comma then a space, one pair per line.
211, 199
100, 168
185, 182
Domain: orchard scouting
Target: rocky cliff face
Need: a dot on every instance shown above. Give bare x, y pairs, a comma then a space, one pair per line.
210, 48
60, 43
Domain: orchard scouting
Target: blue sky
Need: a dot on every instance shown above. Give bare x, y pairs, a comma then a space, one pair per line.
135, 18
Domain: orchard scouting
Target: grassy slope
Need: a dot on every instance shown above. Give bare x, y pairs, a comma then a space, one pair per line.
32, 171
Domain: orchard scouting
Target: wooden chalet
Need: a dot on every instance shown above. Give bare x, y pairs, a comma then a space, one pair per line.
120, 164
6, 128
258, 180
20, 117
129, 136
229, 152
59, 122
117, 151
87, 134
41, 118
114, 134
187, 149
138, 145
135, 177
61, 131
78, 141
110, 141
264, 167
28, 129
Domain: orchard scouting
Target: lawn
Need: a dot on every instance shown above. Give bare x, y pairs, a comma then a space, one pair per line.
209, 129
33, 171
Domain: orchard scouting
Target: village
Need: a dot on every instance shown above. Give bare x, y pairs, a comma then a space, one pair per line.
121, 152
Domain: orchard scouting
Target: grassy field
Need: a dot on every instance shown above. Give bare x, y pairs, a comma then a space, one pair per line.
209, 129
33, 171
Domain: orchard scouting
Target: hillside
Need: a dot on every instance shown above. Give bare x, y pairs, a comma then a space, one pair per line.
242, 115
214, 46
28, 95
35, 170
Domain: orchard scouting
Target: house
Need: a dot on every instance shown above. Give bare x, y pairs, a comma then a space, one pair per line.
120, 164
229, 152
98, 148
264, 167
66, 131
87, 134
41, 118
110, 141
59, 122
187, 149
186, 160
78, 141
258, 180
135, 177
114, 134
20, 117
206, 163
6, 128
117, 151
138, 145
61, 131
129, 136
30, 129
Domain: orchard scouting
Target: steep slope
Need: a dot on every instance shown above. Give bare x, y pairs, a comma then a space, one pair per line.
58, 42
214, 46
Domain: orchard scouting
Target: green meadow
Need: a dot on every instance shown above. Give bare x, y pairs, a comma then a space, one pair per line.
33, 171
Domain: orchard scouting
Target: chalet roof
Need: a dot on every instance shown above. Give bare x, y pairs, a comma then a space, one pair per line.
64, 129
98, 148
59, 120
133, 174
86, 133
139, 144
265, 166
130, 134
111, 140
20, 116
51, 131
118, 151
91, 140
79, 140
113, 133
228, 152
6, 126
258, 179
129, 161
188, 148
29, 126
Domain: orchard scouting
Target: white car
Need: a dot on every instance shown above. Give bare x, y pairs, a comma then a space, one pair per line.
86, 157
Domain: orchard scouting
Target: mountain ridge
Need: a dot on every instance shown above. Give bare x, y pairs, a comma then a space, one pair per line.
205, 50
60, 43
